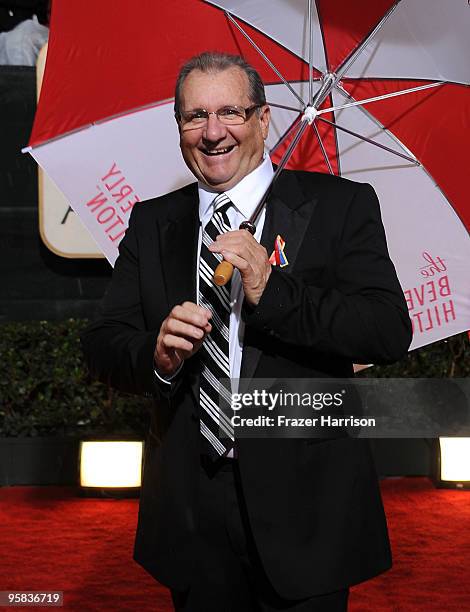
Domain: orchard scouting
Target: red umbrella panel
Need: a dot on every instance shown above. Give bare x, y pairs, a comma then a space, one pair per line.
106, 135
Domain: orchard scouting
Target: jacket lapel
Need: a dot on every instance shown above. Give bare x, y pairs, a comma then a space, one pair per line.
178, 239
288, 213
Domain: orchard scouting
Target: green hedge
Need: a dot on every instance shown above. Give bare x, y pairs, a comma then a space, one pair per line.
445, 359
45, 388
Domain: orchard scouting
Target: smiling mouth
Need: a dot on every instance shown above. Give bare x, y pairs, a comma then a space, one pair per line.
216, 152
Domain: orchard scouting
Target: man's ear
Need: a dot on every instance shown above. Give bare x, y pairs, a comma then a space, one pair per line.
264, 118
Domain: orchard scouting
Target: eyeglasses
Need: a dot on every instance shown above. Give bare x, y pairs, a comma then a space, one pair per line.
228, 115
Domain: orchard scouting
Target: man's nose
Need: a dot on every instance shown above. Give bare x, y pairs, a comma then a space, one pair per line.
215, 129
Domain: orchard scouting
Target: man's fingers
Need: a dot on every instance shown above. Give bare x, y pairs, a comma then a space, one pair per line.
177, 343
179, 328
241, 243
181, 335
251, 259
235, 237
190, 313
236, 261
195, 308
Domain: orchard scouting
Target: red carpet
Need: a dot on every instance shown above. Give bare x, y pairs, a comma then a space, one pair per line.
52, 540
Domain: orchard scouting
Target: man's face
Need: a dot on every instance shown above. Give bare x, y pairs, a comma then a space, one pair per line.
220, 155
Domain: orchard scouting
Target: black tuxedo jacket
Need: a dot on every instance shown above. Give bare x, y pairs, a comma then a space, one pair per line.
314, 505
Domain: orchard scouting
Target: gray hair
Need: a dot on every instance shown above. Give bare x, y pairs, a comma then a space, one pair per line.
215, 61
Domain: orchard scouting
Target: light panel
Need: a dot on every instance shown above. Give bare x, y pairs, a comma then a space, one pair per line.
110, 464
455, 459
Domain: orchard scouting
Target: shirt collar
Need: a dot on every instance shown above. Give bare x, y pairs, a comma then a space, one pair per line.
245, 195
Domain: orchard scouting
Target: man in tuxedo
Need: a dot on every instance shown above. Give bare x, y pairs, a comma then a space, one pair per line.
251, 524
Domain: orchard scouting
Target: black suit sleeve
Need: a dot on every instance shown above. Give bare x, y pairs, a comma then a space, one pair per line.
363, 317
118, 347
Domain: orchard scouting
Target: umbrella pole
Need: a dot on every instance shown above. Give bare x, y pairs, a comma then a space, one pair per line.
223, 272
310, 53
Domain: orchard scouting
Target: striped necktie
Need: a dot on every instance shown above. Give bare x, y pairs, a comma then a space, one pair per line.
215, 348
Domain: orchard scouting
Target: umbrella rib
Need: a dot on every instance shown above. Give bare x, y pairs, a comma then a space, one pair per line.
338, 157
266, 59
394, 94
347, 63
370, 141
323, 150
284, 136
285, 158
368, 114
302, 126
291, 108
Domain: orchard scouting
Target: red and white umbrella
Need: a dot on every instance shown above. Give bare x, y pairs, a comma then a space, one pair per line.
105, 132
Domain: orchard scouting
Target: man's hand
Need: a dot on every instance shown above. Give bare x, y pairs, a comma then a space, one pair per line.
249, 257
181, 335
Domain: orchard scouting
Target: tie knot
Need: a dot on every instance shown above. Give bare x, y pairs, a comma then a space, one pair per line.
221, 203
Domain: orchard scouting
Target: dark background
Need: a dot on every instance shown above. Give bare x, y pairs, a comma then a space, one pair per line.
13, 12
35, 283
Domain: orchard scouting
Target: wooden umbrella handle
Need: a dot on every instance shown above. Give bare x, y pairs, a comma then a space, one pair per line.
223, 273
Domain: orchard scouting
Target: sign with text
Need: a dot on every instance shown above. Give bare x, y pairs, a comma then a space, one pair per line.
430, 302
62, 231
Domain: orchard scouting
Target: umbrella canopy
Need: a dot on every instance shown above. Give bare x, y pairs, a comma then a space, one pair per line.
105, 132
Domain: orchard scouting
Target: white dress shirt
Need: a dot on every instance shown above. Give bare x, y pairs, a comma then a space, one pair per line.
245, 196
